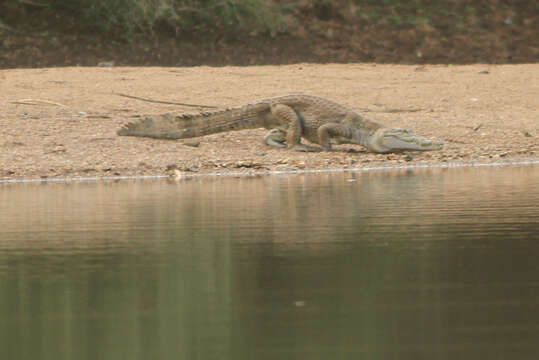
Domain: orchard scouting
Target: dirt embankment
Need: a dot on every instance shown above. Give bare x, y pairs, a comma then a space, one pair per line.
45, 34
62, 122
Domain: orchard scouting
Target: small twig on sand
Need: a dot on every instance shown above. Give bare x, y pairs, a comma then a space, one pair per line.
36, 102
165, 102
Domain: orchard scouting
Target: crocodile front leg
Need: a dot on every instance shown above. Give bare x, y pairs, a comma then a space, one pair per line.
332, 133
277, 138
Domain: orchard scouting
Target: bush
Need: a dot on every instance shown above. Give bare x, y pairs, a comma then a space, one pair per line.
181, 16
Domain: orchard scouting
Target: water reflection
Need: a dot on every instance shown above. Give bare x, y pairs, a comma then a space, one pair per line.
403, 264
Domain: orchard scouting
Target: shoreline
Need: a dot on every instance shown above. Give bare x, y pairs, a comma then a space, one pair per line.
61, 123
258, 173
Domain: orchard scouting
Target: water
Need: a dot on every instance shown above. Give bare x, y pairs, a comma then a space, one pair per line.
417, 264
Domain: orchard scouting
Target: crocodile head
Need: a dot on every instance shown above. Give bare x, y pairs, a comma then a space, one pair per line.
393, 140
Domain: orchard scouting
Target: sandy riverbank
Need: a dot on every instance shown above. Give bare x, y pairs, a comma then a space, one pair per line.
61, 122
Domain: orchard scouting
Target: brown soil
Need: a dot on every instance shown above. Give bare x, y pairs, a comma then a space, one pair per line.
318, 32
61, 122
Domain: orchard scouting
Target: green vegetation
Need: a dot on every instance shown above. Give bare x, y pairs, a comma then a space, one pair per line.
145, 17
131, 17
449, 31
188, 16
127, 18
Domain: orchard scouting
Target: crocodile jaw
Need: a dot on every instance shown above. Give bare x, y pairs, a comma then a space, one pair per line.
394, 140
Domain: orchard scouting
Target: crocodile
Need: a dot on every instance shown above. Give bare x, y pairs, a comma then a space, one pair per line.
289, 119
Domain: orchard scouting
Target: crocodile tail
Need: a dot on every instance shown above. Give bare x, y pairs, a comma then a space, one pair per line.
171, 126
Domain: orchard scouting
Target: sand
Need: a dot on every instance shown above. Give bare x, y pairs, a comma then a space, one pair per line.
62, 122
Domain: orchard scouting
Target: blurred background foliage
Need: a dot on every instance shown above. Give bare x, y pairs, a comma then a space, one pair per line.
268, 31
128, 18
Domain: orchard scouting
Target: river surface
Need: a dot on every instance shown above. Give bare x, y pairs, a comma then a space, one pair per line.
401, 264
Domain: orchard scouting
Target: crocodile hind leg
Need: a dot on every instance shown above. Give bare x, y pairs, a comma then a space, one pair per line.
288, 116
